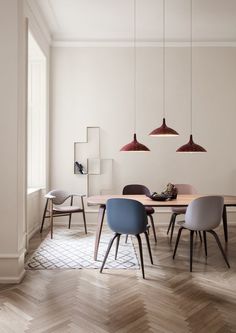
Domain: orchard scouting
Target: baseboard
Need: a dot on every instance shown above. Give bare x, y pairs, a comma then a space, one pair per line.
12, 280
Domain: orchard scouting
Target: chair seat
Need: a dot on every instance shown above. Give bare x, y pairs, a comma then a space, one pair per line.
179, 210
149, 210
66, 209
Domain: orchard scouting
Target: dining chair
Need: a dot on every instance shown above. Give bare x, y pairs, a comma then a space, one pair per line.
142, 189
203, 214
182, 189
129, 217
54, 207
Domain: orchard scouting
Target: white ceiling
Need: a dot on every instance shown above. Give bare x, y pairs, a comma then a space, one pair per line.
112, 20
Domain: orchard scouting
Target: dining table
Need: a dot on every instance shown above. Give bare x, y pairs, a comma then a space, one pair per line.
182, 200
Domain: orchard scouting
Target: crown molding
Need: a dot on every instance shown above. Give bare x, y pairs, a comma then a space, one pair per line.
139, 43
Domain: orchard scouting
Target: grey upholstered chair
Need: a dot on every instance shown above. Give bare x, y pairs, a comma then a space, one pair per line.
126, 216
54, 207
203, 214
141, 189
182, 189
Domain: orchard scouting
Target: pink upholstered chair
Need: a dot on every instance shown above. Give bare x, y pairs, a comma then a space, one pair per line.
182, 189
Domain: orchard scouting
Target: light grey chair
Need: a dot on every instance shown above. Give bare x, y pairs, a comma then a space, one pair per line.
203, 214
54, 208
126, 216
182, 189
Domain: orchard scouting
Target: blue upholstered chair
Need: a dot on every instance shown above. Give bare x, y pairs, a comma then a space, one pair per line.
126, 216
142, 189
203, 214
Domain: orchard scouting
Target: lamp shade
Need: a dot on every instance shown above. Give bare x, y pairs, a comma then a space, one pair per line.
134, 146
164, 130
191, 147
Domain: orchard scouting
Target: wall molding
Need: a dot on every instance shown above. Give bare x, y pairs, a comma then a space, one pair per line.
139, 43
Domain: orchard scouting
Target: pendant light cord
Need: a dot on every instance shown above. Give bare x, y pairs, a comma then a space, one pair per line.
191, 67
134, 68
163, 62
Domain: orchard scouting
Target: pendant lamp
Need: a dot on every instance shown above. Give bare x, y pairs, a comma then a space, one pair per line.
134, 146
164, 130
191, 146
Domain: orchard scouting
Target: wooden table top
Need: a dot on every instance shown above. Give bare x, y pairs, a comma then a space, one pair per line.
182, 200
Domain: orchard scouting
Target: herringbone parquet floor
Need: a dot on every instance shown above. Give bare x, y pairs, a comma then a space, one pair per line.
170, 299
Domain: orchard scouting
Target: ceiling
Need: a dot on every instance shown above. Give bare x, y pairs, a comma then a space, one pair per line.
112, 20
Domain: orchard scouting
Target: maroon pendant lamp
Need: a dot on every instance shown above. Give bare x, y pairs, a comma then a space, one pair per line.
164, 130
191, 146
134, 146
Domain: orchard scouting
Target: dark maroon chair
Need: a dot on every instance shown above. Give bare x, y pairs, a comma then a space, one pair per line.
141, 189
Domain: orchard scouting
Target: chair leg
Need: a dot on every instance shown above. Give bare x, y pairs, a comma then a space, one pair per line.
200, 236
117, 245
107, 252
153, 227
141, 253
173, 226
149, 247
85, 225
220, 246
69, 220
177, 241
170, 224
44, 214
191, 249
205, 242
126, 238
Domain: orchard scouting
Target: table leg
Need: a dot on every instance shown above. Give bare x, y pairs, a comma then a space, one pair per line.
224, 217
101, 214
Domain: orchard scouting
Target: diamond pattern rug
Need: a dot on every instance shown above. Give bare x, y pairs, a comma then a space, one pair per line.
71, 249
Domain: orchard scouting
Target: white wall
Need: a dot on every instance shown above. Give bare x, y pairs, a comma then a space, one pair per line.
94, 87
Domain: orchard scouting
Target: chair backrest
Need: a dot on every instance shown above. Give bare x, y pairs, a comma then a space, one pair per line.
126, 216
185, 189
60, 195
204, 213
136, 189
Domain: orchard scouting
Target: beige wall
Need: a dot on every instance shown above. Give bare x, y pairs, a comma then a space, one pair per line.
93, 87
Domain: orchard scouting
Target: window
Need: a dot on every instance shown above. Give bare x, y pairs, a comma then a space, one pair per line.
36, 115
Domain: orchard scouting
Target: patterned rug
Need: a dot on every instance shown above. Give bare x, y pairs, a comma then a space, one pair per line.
71, 249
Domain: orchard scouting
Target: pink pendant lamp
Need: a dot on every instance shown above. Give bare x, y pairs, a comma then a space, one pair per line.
164, 130
134, 146
191, 146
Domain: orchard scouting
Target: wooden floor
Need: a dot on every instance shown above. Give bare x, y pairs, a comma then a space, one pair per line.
170, 299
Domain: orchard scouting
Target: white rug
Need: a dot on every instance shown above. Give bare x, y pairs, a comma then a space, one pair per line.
70, 249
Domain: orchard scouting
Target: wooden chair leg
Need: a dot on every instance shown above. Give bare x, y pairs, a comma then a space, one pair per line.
191, 249
205, 242
69, 221
44, 214
84, 218
149, 247
170, 224
220, 246
177, 241
153, 227
51, 217
107, 252
141, 253
200, 236
172, 227
126, 238
117, 246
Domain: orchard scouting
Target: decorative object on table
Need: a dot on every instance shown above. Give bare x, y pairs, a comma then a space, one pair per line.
169, 193
134, 145
191, 146
71, 249
202, 214
80, 168
54, 207
164, 130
